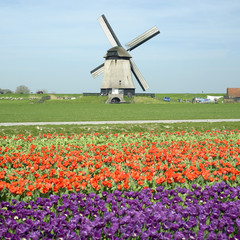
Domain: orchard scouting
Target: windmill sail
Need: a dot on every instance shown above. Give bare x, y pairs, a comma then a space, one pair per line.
142, 38
108, 31
138, 76
97, 71
119, 66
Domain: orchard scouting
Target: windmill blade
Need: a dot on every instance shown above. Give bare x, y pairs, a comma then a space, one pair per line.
138, 76
97, 71
142, 38
109, 32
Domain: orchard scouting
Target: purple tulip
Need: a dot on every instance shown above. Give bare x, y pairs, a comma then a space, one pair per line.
211, 236
35, 235
166, 214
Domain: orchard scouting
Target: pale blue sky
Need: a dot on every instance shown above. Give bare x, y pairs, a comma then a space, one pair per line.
54, 44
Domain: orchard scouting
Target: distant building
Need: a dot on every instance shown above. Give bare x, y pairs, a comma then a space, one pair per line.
233, 93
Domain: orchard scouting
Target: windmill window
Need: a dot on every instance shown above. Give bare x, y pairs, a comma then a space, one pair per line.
110, 54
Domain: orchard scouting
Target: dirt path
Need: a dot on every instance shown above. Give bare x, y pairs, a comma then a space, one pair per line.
117, 122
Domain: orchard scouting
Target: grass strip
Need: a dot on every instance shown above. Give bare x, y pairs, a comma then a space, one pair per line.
117, 128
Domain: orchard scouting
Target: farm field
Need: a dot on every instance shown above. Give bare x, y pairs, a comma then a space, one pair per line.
170, 185
94, 109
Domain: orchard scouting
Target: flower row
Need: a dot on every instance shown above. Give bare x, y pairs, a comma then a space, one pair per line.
204, 213
92, 163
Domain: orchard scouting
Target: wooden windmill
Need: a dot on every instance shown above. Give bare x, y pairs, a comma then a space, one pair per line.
118, 66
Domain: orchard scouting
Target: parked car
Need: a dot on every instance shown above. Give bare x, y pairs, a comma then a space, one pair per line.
202, 100
166, 99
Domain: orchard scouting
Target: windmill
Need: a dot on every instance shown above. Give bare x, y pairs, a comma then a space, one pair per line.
118, 66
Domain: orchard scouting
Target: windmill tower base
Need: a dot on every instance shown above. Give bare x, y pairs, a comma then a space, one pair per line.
126, 91
116, 96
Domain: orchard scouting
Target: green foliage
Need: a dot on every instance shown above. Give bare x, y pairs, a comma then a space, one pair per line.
186, 97
116, 128
22, 89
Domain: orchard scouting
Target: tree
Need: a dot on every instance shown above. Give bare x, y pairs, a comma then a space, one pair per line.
22, 89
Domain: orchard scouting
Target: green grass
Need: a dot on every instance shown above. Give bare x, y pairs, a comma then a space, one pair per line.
74, 110
93, 108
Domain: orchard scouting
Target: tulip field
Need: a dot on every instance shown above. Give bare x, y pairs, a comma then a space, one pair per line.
170, 185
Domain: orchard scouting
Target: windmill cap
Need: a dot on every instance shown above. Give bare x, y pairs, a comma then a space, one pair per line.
117, 52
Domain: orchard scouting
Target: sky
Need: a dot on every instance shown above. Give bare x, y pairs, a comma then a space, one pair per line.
54, 44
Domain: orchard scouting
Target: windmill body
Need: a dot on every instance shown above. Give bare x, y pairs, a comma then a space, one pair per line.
117, 72
118, 66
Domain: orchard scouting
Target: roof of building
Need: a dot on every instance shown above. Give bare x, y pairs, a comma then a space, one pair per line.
233, 92
117, 52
